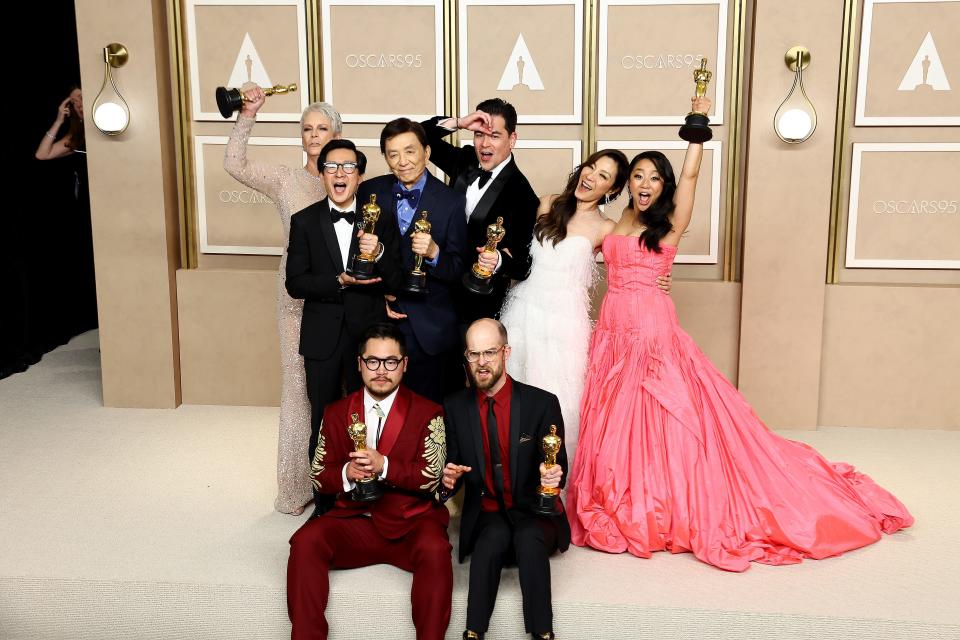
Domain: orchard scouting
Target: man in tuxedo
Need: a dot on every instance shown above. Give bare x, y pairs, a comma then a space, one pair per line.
406, 526
428, 321
337, 308
494, 435
493, 185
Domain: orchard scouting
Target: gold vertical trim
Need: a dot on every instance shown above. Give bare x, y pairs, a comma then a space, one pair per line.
314, 51
841, 133
591, 21
184, 142
451, 70
734, 144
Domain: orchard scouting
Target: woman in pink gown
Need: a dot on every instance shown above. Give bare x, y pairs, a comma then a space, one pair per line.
671, 456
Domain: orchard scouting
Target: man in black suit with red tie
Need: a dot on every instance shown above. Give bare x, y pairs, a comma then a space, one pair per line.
494, 435
428, 321
493, 185
337, 308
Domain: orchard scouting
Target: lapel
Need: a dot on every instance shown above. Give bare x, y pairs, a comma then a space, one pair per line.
395, 421
493, 192
473, 418
515, 419
329, 233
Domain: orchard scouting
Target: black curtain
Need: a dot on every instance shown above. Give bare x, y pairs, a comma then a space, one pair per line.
47, 291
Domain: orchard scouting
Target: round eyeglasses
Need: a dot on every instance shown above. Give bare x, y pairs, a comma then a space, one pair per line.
390, 364
331, 167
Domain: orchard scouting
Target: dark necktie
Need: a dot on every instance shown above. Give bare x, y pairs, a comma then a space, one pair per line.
412, 196
336, 215
484, 178
495, 464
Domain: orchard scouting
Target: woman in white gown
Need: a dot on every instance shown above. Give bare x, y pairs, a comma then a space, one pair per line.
547, 316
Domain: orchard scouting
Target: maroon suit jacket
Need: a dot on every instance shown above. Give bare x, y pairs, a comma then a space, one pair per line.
413, 440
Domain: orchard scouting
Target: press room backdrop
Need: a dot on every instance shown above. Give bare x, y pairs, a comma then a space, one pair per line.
822, 278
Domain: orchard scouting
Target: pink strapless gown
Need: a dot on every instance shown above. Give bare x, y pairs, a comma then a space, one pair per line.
671, 456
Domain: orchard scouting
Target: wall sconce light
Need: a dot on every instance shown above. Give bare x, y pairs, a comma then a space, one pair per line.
796, 118
110, 112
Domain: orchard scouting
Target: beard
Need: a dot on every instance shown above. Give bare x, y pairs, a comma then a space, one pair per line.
487, 375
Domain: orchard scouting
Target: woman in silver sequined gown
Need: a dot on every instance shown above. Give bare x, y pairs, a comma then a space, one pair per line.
291, 189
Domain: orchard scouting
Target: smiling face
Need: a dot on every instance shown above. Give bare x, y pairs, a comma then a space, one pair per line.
341, 186
494, 148
317, 131
406, 157
596, 180
646, 184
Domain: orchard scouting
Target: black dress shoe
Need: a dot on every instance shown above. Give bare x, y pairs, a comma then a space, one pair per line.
472, 635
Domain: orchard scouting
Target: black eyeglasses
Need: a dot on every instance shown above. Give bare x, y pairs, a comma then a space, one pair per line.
331, 167
390, 364
489, 354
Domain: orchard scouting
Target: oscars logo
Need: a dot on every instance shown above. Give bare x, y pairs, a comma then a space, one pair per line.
926, 72
521, 70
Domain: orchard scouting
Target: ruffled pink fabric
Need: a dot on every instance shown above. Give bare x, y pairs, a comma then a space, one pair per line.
671, 457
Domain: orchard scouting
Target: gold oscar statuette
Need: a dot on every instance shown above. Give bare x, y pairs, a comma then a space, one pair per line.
368, 489
417, 279
230, 100
696, 126
546, 503
361, 266
479, 279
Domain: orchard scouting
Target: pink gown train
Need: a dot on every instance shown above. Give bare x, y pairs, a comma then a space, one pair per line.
671, 456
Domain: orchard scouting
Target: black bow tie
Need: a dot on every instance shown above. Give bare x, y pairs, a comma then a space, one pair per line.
484, 178
412, 196
336, 215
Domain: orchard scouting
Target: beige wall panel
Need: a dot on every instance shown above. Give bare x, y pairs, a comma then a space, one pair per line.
912, 68
236, 218
508, 51
645, 75
890, 357
235, 44
228, 336
787, 214
381, 61
708, 311
913, 220
132, 207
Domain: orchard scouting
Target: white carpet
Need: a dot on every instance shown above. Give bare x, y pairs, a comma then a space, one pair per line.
120, 523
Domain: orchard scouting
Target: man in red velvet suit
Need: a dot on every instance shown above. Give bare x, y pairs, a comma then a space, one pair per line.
405, 526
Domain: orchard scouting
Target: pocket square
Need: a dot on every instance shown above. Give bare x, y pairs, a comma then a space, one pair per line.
525, 438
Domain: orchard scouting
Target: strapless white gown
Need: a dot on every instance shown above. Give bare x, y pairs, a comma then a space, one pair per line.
547, 317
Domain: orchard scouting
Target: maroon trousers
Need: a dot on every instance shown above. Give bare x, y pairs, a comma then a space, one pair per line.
326, 543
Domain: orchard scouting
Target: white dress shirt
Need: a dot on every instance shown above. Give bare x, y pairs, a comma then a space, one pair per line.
344, 230
372, 420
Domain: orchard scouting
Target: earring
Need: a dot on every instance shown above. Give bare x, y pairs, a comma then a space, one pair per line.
606, 199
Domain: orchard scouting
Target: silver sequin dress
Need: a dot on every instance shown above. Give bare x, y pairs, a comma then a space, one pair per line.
291, 189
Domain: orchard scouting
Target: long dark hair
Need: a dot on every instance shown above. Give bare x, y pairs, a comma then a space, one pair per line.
553, 224
75, 138
656, 219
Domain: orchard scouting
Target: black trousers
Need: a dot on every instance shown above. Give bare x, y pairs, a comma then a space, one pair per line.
327, 380
427, 375
528, 541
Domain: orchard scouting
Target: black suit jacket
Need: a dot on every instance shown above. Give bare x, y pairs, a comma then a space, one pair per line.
509, 196
432, 317
313, 264
532, 411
